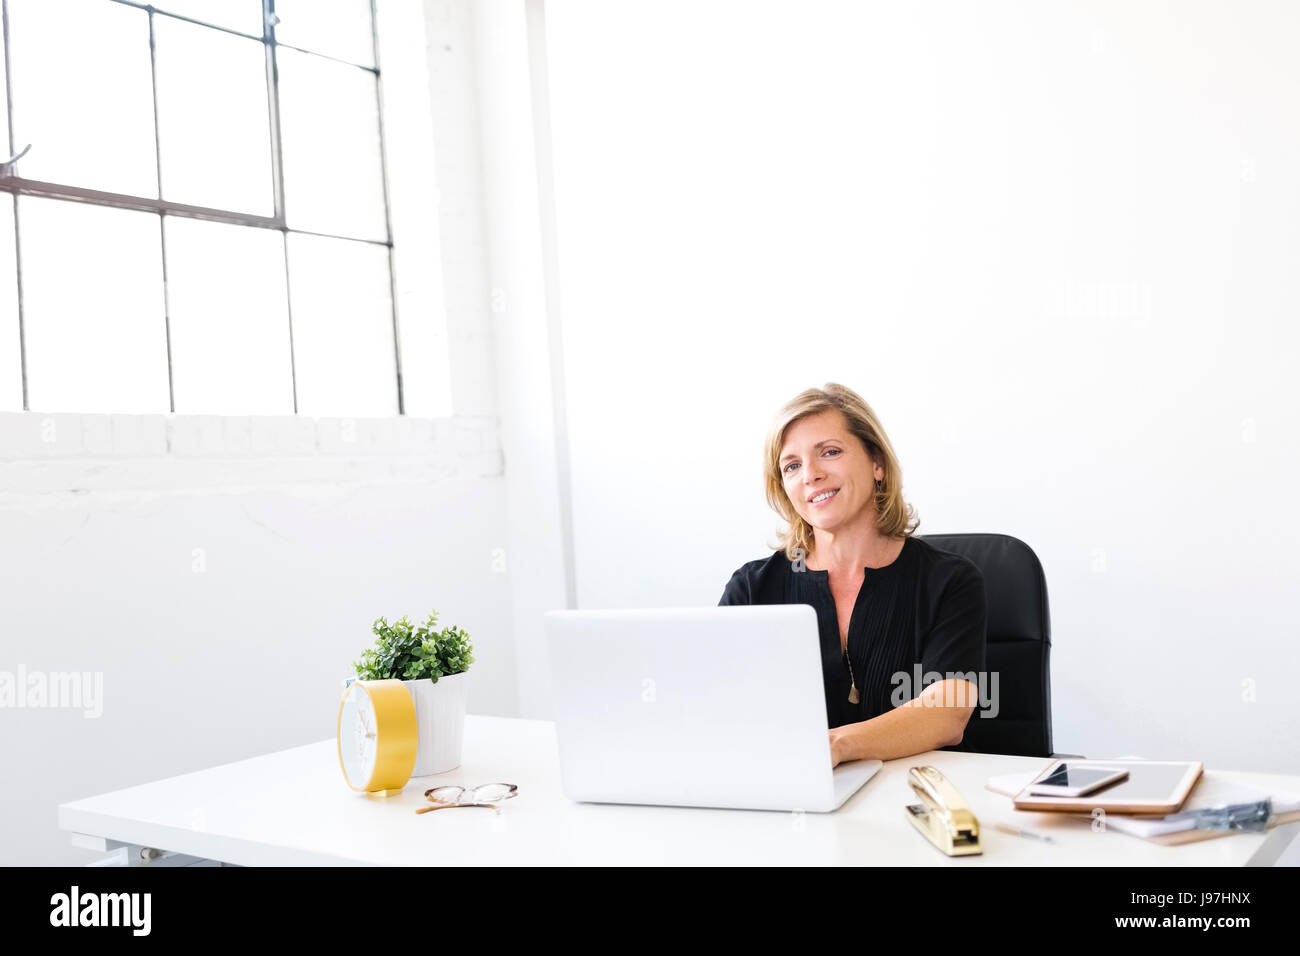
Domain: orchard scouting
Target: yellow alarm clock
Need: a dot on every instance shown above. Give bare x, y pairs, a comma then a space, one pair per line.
378, 736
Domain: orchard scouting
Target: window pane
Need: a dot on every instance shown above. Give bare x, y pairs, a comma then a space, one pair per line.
338, 28
11, 371
83, 94
408, 135
342, 327
92, 308
229, 319
214, 136
329, 125
242, 15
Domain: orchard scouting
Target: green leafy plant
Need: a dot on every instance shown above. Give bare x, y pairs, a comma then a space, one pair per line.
406, 652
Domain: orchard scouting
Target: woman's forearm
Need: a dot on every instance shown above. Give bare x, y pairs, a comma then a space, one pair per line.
927, 722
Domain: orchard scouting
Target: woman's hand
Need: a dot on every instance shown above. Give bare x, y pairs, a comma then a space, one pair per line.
839, 751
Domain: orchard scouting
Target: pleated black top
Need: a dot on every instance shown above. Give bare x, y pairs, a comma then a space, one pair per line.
927, 608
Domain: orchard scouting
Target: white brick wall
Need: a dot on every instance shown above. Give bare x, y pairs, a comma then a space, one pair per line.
47, 456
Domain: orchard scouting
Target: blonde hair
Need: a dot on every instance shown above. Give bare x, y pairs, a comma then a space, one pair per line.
895, 518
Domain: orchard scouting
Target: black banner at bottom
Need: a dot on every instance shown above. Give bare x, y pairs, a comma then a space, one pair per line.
213, 904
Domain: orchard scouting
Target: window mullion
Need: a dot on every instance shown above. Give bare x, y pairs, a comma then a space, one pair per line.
18, 249
277, 174
273, 107
99, 197
388, 217
162, 219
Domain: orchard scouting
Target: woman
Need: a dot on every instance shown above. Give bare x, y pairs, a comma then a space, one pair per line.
886, 601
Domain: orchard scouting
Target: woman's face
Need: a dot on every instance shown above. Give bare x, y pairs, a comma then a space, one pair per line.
821, 455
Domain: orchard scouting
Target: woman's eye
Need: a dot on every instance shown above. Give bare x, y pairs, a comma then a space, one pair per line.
793, 463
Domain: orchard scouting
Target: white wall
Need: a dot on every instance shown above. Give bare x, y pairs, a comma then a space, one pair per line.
527, 324
1054, 246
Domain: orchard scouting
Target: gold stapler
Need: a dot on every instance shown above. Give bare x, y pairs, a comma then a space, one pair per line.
944, 817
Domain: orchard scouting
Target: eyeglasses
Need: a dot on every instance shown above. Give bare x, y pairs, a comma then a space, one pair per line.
485, 795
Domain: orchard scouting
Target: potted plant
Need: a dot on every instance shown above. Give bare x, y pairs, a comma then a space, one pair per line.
433, 665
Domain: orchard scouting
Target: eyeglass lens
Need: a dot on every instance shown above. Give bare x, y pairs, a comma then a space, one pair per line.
486, 793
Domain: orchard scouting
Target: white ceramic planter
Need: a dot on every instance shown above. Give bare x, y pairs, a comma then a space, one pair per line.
440, 717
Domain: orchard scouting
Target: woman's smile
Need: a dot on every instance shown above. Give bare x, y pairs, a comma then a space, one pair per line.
824, 498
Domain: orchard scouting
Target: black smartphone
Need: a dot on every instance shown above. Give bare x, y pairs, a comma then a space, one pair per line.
1072, 780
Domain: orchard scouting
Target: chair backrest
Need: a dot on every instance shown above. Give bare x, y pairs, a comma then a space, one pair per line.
1018, 649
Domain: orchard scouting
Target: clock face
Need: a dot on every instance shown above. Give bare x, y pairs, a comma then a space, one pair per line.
358, 737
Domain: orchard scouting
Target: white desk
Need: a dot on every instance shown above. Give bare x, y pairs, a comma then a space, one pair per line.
293, 808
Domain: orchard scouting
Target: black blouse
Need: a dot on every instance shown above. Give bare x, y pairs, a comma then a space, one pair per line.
927, 608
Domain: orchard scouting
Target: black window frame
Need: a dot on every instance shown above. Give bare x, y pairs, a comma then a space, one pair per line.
163, 208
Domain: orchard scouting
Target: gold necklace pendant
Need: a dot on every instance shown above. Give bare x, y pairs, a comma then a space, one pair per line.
853, 683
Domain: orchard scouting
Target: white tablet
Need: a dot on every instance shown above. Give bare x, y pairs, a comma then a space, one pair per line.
1153, 786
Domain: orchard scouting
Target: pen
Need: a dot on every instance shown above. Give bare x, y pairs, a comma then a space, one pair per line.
1007, 828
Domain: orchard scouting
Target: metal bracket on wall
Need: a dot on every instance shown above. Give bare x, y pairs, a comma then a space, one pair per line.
7, 167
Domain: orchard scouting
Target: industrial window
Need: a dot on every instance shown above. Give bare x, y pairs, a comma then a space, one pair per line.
195, 209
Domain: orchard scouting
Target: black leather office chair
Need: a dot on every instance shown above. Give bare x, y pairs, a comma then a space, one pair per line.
1019, 645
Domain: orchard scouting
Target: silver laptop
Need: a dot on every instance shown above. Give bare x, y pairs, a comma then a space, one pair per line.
696, 707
